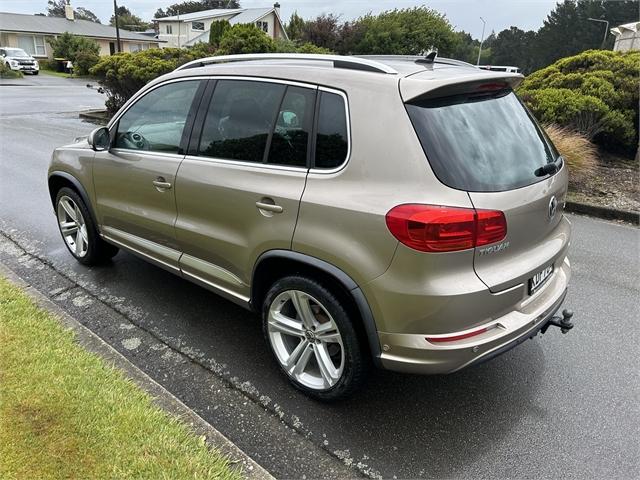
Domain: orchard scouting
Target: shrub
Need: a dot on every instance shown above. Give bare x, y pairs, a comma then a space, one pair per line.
47, 64
216, 32
85, 61
70, 46
580, 154
290, 46
6, 72
245, 38
595, 93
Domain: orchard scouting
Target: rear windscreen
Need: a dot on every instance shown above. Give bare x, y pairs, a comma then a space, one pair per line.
481, 142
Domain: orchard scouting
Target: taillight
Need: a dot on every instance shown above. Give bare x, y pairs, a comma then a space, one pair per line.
432, 228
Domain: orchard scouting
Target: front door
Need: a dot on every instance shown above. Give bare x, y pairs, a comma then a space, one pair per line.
239, 189
135, 180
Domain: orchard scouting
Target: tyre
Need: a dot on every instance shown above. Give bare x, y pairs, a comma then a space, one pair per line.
312, 338
78, 230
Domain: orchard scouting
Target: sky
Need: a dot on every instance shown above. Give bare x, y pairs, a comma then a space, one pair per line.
463, 14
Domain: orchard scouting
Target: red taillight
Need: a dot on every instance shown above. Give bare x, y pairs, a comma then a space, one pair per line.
432, 228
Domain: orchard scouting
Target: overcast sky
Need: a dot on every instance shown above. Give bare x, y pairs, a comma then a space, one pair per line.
463, 14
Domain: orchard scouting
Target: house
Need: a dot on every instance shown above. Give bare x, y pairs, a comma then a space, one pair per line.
32, 32
191, 28
627, 37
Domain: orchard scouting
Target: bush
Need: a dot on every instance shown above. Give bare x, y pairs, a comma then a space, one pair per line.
6, 72
595, 93
245, 38
290, 46
85, 61
216, 32
47, 64
580, 154
70, 46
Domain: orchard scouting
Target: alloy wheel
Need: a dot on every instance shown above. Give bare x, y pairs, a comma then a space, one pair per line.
72, 226
306, 340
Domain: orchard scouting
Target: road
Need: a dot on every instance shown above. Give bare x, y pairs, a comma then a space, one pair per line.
556, 406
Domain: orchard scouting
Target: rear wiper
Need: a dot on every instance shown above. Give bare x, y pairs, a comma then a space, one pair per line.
549, 168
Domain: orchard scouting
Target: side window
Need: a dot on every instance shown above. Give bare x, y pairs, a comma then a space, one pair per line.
331, 139
155, 122
239, 119
290, 138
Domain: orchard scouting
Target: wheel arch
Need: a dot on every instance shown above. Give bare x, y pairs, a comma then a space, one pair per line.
58, 180
276, 264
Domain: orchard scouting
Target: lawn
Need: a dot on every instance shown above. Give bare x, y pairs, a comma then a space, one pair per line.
64, 413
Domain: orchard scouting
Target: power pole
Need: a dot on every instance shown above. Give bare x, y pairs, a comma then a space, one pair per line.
115, 15
484, 24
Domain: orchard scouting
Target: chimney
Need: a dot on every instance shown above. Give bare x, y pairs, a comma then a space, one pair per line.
277, 7
68, 11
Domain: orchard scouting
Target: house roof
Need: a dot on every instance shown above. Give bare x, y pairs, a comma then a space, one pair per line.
632, 27
246, 15
17, 22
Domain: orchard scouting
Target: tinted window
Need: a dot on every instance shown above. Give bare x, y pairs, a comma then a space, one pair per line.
331, 140
293, 128
155, 122
240, 117
481, 142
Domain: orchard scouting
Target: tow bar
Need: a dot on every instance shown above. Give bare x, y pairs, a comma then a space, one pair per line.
564, 323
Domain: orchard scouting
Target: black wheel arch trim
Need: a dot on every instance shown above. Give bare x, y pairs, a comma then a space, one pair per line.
79, 188
345, 280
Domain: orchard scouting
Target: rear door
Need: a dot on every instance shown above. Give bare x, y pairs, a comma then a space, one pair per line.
239, 189
485, 142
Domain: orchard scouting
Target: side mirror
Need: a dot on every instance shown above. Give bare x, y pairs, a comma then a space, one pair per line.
100, 139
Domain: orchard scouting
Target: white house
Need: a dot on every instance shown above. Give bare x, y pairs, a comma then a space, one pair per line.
191, 28
627, 37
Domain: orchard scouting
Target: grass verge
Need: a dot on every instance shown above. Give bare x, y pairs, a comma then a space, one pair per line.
64, 413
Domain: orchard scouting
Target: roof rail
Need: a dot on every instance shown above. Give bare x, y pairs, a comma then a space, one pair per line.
339, 61
416, 58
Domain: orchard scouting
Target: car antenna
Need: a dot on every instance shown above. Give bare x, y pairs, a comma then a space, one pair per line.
430, 57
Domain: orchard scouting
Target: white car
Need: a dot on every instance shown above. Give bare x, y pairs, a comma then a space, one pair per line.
18, 59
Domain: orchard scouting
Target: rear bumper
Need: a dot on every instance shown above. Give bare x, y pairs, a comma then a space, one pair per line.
412, 353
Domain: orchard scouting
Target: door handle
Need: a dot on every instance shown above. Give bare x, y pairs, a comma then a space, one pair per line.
269, 207
161, 184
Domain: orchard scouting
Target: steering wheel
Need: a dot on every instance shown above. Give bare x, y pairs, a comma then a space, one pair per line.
136, 140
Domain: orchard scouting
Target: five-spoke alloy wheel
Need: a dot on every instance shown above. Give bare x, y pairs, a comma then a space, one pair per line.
313, 338
78, 229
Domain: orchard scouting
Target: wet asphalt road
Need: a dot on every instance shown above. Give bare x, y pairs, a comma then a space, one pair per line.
557, 406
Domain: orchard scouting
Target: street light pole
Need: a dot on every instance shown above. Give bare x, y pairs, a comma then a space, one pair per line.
484, 24
606, 30
115, 15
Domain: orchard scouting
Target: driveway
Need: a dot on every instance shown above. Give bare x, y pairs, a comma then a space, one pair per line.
556, 406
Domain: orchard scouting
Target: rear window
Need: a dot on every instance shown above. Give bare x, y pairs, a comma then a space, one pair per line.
481, 142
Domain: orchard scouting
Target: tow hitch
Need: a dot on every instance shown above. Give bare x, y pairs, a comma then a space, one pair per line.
564, 323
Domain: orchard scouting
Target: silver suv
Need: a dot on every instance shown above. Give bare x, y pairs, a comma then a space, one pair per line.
400, 211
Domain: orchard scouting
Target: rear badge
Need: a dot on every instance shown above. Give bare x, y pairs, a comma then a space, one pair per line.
494, 248
553, 207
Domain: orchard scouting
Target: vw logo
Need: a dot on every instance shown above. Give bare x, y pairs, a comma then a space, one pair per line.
553, 207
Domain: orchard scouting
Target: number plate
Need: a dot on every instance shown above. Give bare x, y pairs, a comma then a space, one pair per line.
539, 279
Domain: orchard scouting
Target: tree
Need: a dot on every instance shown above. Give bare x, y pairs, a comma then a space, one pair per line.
515, 47
465, 48
129, 21
191, 6
323, 31
295, 27
245, 38
216, 32
55, 8
83, 52
409, 31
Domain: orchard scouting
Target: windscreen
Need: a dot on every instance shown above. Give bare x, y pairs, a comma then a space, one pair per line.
481, 142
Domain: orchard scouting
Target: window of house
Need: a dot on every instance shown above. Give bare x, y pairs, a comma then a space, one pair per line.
264, 26
239, 119
33, 45
169, 29
197, 26
332, 138
156, 121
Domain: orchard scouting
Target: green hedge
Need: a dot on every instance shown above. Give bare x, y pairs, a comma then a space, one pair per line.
595, 93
